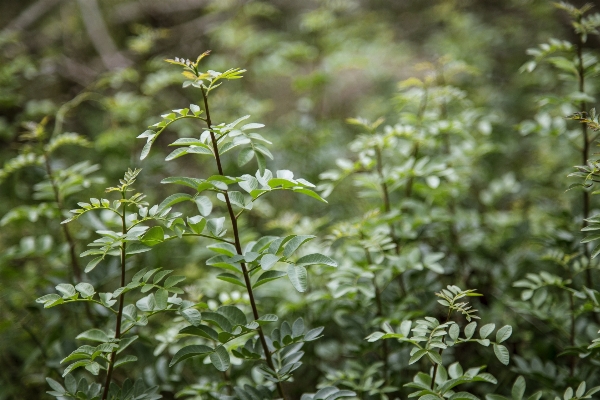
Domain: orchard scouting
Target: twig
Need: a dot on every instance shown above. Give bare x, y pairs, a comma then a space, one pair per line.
238, 246
31, 14
100, 37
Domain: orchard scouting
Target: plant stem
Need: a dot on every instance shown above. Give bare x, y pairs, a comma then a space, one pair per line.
238, 246
436, 365
585, 149
113, 355
76, 269
572, 334
386, 196
415, 150
385, 350
387, 208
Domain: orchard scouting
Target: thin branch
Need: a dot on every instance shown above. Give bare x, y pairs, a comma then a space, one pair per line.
586, 146
113, 355
134, 11
31, 14
76, 269
100, 36
238, 245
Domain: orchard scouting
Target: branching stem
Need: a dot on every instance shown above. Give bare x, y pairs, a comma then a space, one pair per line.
436, 365
238, 245
76, 269
586, 147
113, 355
379, 304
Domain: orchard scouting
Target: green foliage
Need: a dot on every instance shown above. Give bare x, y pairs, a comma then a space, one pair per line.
205, 276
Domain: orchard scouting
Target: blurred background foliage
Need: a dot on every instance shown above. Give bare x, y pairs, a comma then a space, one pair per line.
95, 67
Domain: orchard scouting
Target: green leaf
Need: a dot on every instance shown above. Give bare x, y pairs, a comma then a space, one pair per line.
268, 318
298, 328
417, 356
85, 289
196, 223
503, 333
298, 277
182, 151
92, 264
67, 290
227, 277
245, 156
192, 316
56, 386
190, 351
434, 356
124, 360
136, 248
252, 125
220, 359
202, 331
502, 353
470, 329
218, 319
147, 303
204, 205
93, 367
125, 342
310, 193
315, 259
172, 200
160, 297
215, 226
518, 389
268, 277
76, 365
293, 244
185, 181
268, 260
262, 164
195, 109
153, 236
223, 248
233, 314
463, 396
160, 276
95, 335
189, 142
454, 331
486, 330
173, 280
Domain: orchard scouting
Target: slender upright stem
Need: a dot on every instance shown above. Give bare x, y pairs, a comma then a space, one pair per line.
585, 148
572, 334
76, 269
386, 196
436, 365
415, 149
387, 208
238, 246
379, 304
113, 355
454, 236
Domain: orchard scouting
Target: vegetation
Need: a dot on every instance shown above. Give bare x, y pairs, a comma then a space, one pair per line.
442, 243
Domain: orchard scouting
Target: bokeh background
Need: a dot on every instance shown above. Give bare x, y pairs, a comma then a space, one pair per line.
310, 65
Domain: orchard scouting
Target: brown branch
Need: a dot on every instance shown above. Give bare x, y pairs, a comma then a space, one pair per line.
113, 355
31, 14
132, 11
238, 246
585, 150
379, 304
76, 269
100, 36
